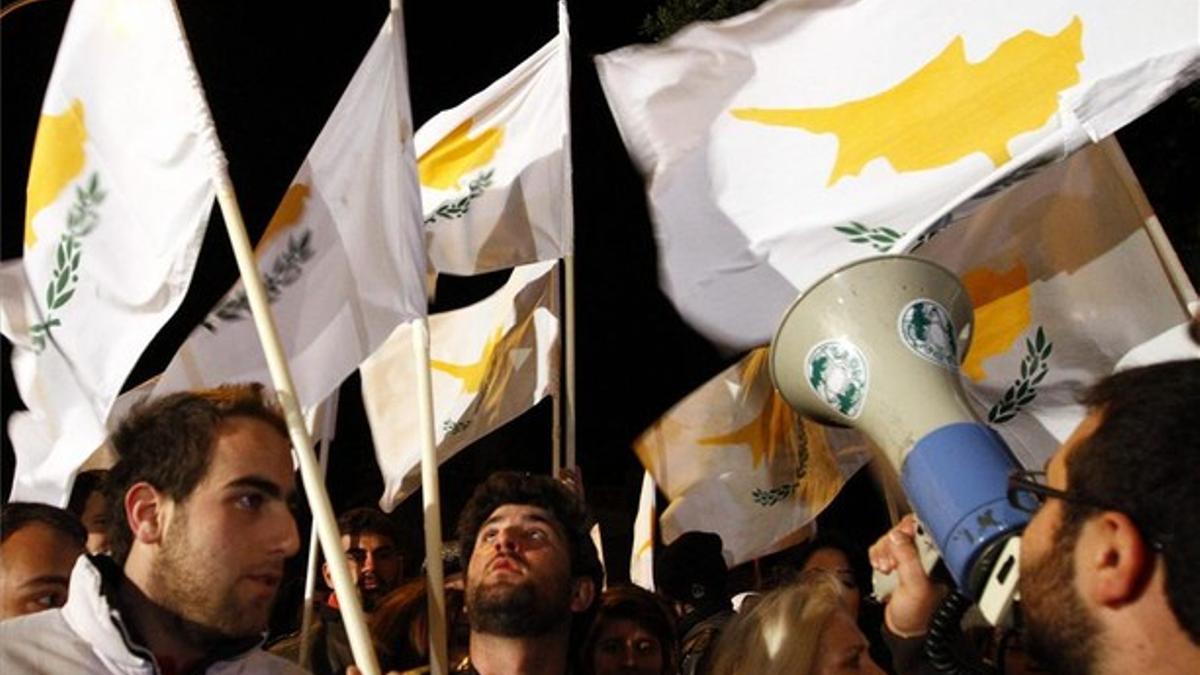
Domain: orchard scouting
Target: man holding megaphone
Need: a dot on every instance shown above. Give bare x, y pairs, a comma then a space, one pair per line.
1107, 566
1108, 576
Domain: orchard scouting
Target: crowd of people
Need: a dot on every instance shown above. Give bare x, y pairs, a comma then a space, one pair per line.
170, 563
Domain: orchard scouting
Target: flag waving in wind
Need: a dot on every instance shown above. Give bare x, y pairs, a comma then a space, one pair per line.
784, 142
734, 459
342, 257
119, 193
490, 362
1066, 280
494, 171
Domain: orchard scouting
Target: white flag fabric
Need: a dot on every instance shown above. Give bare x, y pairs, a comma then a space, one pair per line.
784, 142
342, 258
1066, 281
734, 459
118, 197
490, 362
641, 558
494, 171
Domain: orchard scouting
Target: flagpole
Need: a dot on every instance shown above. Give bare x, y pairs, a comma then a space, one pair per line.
556, 435
326, 419
310, 472
431, 500
1158, 239
435, 585
569, 259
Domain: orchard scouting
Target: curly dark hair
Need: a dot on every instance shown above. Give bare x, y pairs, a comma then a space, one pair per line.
1142, 461
511, 487
168, 443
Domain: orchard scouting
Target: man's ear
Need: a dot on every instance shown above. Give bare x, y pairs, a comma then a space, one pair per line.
583, 592
326, 575
1113, 560
146, 512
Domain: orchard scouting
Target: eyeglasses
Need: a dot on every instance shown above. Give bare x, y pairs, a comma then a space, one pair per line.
1028, 491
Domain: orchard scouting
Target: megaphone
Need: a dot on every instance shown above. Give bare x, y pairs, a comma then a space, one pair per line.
876, 345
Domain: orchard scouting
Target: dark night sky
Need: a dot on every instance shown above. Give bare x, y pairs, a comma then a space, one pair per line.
272, 76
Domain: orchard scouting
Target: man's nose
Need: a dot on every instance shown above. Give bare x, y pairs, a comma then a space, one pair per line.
289, 541
368, 564
508, 539
630, 655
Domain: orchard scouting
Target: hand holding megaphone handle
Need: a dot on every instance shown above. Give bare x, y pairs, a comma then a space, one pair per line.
901, 561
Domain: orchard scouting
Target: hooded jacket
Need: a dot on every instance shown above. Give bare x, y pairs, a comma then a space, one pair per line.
88, 635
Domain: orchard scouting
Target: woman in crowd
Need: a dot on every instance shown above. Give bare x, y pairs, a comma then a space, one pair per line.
804, 628
634, 632
840, 556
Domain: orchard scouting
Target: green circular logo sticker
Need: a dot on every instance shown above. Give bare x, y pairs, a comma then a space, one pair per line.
837, 372
926, 329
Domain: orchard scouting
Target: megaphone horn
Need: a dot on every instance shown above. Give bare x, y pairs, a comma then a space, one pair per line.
876, 345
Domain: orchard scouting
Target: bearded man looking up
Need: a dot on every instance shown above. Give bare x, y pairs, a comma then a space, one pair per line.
532, 568
1109, 561
200, 528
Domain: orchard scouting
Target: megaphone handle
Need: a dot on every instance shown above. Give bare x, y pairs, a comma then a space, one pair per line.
996, 601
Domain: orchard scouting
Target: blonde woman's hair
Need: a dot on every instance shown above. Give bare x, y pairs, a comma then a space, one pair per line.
781, 633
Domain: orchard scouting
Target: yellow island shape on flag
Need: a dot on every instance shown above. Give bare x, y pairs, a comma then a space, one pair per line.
289, 212
949, 108
58, 159
443, 166
1002, 303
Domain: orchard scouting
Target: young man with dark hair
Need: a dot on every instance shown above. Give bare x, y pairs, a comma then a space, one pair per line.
201, 526
370, 541
38, 547
531, 569
1108, 563
372, 549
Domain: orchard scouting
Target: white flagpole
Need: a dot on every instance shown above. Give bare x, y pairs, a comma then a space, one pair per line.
435, 585
556, 435
556, 428
1162, 245
325, 419
285, 390
310, 472
431, 500
569, 259
569, 368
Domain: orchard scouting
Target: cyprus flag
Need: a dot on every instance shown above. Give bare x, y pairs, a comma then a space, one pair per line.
782, 143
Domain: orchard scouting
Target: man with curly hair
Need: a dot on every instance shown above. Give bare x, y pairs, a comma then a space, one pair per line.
532, 574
